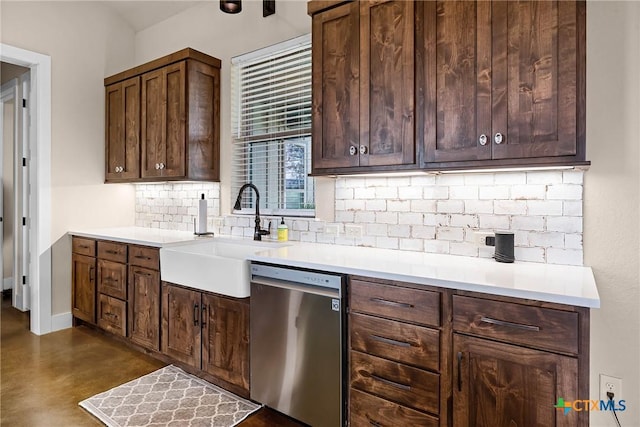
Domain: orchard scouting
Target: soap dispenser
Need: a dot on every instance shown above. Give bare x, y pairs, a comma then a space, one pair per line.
283, 231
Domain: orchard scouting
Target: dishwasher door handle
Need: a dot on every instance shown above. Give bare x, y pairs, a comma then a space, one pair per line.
315, 290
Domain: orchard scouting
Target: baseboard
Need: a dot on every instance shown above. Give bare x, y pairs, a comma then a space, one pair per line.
7, 283
61, 321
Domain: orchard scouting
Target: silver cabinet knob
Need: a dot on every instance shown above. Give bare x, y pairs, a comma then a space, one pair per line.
157, 166
483, 139
353, 151
498, 138
363, 149
161, 165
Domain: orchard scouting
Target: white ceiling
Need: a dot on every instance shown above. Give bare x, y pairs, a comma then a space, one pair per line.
143, 14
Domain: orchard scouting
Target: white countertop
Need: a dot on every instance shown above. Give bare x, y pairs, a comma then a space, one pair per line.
543, 282
139, 235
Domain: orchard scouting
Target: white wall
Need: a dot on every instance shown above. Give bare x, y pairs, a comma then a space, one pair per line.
86, 42
612, 202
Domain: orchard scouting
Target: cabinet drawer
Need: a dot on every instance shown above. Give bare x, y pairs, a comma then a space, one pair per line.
144, 257
112, 314
113, 251
83, 246
112, 279
367, 410
539, 327
394, 302
399, 383
402, 342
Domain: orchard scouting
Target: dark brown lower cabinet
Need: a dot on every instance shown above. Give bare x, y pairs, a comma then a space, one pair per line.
112, 314
144, 307
225, 339
208, 332
500, 385
83, 294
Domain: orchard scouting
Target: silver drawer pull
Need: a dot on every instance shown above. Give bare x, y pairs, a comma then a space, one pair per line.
112, 252
393, 303
389, 341
142, 257
391, 383
509, 324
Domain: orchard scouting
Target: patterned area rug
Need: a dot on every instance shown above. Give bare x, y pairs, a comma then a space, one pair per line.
168, 397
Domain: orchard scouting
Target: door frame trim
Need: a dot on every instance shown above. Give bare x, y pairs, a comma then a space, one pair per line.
39, 109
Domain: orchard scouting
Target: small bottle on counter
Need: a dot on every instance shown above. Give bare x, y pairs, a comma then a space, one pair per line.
283, 231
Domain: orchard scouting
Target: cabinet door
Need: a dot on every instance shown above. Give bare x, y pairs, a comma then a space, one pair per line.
112, 279
122, 130
387, 83
336, 97
83, 275
534, 78
204, 121
457, 78
163, 122
225, 339
500, 385
181, 324
144, 307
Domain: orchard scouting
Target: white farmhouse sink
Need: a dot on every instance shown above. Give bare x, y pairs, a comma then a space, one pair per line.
217, 265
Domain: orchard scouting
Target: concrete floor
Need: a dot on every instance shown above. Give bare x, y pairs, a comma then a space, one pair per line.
42, 378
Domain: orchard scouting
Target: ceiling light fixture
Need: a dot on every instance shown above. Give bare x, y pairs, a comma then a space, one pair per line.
231, 6
235, 6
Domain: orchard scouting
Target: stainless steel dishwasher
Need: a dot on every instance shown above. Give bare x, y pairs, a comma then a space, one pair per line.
297, 350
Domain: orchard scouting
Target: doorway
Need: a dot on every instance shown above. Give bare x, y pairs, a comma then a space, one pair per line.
14, 198
37, 280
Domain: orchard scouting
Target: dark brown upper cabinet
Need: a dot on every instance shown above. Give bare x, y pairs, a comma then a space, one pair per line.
363, 86
503, 83
122, 127
167, 127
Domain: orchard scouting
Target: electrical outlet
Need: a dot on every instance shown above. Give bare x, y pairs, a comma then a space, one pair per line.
331, 229
480, 237
353, 230
610, 384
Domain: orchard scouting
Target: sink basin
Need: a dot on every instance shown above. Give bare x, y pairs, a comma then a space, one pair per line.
217, 265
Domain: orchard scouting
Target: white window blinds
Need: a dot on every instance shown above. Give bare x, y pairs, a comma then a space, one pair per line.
271, 128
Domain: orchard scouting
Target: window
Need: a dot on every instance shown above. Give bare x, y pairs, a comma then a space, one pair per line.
271, 128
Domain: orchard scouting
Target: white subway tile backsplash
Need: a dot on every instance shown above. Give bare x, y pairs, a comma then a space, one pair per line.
450, 233
564, 256
494, 192
494, 222
423, 232
544, 207
364, 193
463, 192
545, 177
436, 192
459, 220
430, 213
411, 245
547, 239
510, 207
565, 224
410, 193
450, 206
530, 223
436, 246
411, 218
529, 254
564, 192
510, 178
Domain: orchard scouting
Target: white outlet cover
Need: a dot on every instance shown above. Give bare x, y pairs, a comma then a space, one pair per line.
609, 383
